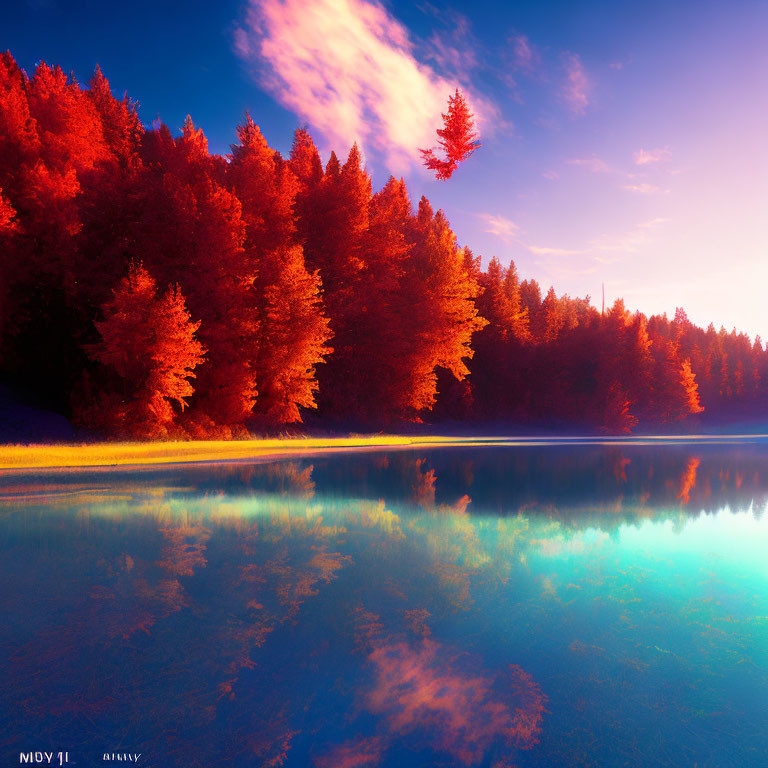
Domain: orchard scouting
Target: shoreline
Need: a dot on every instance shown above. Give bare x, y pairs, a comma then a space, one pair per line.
19, 458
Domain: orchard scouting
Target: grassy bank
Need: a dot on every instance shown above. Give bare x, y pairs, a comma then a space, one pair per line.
17, 457
63, 456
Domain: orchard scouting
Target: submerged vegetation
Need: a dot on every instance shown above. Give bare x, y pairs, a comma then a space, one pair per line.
152, 289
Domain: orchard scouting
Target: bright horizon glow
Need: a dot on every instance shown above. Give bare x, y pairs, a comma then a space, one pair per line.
739, 538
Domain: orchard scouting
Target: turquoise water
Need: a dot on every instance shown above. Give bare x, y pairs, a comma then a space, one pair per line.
595, 605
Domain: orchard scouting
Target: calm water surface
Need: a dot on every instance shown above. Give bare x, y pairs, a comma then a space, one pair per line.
492, 606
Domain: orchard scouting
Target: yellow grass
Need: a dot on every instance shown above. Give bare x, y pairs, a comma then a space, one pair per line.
15, 457
29, 457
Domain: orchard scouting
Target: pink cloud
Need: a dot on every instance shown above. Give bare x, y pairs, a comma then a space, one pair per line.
591, 163
650, 156
348, 68
360, 752
576, 88
644, 188
453, 48
631, 241
525, 55
501, 226
426, 693
546, 251
462, 712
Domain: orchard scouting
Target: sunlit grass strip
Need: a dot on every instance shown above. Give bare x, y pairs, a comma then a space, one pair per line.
126, 454
26, 457
121, 454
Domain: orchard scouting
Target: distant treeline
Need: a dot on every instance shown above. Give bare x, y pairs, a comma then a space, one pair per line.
152, 289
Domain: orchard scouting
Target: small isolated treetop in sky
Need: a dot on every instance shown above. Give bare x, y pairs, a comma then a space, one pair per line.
457, 138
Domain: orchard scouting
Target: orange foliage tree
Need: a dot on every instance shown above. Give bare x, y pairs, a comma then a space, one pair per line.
150, 344
293, 329
441, 297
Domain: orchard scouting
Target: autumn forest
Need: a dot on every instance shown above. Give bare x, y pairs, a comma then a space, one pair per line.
151, 289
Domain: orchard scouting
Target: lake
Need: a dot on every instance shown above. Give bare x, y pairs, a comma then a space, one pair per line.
578, 604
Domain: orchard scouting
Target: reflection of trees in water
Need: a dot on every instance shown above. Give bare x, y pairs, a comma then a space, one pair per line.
134, 596
169, 631
578, 482
229, 600
143, 647
601, 485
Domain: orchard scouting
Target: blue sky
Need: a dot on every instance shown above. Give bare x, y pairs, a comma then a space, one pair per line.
623, 142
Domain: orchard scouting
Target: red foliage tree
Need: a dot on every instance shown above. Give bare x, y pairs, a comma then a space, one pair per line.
7, 216
457, 138
440, 293
293, 330
191, 229
149, 342
418, 326
337, 209
50, 139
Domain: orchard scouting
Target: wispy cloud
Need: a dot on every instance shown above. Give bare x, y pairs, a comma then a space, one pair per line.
525, 56
597, 253
545, 251
453, 47
592, 163
645, 189
501, 226
576, 88
348, 68
630, 241
551, 175
651, 156
654, 223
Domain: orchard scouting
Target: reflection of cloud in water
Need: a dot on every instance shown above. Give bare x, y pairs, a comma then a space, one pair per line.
361, 752
417, 621
272, 743
425, 693
226, 612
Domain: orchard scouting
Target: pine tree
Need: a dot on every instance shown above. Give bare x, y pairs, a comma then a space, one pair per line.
382, 324
50, 138
149, 343
7, 216
554, 319
190, 229
493, 359
692, 405
520, 324
121, 126
334, 246
443, 315
109, 199
530, 298
293, 330
457, 138
305, 160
